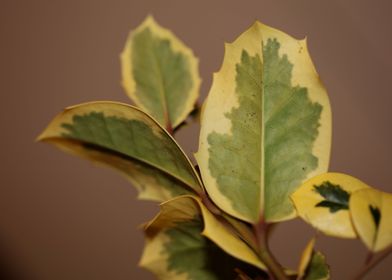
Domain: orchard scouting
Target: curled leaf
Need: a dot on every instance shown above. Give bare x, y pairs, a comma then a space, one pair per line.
186, 241
126, 139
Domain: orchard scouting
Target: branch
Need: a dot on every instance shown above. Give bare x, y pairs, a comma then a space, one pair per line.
274, 267
371, 261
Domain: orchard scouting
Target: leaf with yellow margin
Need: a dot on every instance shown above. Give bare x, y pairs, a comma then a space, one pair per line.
323, 202
265, 127
160, 74
312, 265
125, 138
371, 212
186, 241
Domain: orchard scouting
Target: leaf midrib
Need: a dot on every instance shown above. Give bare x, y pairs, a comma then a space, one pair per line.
124, 156
162, 91
261, 120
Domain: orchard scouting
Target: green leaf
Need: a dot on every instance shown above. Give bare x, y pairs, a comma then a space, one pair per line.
370, 211
124, 138
335, 198
186, 241
323, 202
265, 127
317, 269
312, 265
160, 74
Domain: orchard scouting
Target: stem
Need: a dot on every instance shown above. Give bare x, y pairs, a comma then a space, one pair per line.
169, 129
209, 204
274, 268
261, 231
371, 261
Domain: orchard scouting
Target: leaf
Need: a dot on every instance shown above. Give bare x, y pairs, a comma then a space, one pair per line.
160, 74
306, 258
317, 269
371, 212
265, 127
185, 241
125, 138
323, 202
313, 265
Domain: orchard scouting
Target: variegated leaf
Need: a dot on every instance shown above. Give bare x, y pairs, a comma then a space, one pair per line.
160, 74
323, 202
312, 265
125, 138
265, 127
186, 241
317, 268
371, 212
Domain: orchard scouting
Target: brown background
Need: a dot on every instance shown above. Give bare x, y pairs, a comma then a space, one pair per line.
61, 218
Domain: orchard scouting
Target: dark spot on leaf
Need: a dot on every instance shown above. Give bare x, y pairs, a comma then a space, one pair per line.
335, 198
376, 214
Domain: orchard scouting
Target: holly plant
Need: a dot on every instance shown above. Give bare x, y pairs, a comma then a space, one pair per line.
263, 155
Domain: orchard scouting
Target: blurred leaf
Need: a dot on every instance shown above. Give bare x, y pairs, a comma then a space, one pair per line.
312, 265
371, 212
186, 241
160, 74
323, 202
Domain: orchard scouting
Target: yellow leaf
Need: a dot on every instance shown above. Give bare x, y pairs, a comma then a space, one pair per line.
323, 202
371, 212
305, 258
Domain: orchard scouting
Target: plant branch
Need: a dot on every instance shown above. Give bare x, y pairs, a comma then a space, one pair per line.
169, 129
274, 268
261, 231
371, 261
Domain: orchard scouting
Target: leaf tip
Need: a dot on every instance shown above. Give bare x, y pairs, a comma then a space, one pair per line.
149, 20
40, 137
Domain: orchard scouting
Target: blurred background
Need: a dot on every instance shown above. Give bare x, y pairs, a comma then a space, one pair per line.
62, 218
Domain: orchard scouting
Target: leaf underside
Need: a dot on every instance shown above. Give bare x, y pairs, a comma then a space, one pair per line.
185, 241
124, 138
196, 256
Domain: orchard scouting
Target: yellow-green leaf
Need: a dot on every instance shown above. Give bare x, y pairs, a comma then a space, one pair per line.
160, 74
371, 212
323, 202
312, 265
265, 127
305, 258
317, 268
125, 138
186, 241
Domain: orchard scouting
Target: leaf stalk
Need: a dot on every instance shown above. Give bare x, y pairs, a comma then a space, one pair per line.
275, 270
371, 261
